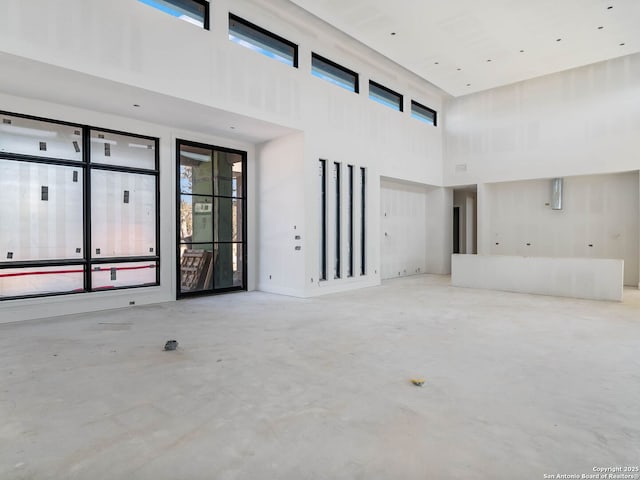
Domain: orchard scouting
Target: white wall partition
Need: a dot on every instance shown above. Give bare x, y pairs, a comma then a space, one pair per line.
439, 242
281, 216
599, 219
591, 278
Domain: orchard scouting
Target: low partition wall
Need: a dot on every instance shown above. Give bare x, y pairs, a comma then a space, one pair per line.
592, 278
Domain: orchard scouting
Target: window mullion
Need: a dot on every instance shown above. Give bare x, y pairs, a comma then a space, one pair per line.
86, 154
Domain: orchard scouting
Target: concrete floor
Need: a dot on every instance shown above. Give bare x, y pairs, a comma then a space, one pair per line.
271, 387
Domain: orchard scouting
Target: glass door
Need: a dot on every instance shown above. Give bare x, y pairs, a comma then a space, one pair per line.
211, 219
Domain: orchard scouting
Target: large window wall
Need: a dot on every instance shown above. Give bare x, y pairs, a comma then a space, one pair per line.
78, 208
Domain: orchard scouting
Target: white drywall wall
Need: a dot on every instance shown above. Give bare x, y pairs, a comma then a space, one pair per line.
403, 214
439, 240
577, 122
281, 215
470, 223
415, 228
598, 210
598, 279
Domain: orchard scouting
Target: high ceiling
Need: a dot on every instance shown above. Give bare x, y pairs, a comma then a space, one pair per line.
466, 46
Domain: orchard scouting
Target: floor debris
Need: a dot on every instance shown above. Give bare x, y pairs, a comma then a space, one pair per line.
418, 382
171, 345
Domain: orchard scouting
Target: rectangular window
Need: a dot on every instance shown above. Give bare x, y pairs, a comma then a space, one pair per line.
33, 228
334, 73
363, 225
123, 214
107, 276
260, 40
337, 272
323, 219
43, 280
75, 201
37, 138
423, 113
120, 150
350, 220
385, 96
192, 11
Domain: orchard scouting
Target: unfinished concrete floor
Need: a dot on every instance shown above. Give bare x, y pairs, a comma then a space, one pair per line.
271, 387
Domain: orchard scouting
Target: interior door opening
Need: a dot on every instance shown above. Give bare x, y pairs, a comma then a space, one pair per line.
211, 219
456, 229
465, 224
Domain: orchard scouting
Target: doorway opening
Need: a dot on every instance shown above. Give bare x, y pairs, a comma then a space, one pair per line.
465, 223
211, 219
456, 229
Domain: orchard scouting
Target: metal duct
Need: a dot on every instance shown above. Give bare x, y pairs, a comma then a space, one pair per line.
556, 193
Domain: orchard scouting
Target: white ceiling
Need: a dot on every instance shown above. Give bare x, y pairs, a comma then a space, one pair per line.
466, 46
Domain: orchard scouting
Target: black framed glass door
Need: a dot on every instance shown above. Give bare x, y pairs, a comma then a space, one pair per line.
211, 219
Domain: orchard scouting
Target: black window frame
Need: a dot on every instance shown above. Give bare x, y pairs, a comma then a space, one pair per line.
323, 220
87, 167
338, 225
204, 3
245, 232
267, 33
417, 105
399, 96
350, 169
363, 221
337, 66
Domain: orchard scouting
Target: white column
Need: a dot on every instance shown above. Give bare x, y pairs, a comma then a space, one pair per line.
483, 221
469, 223
439, 241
